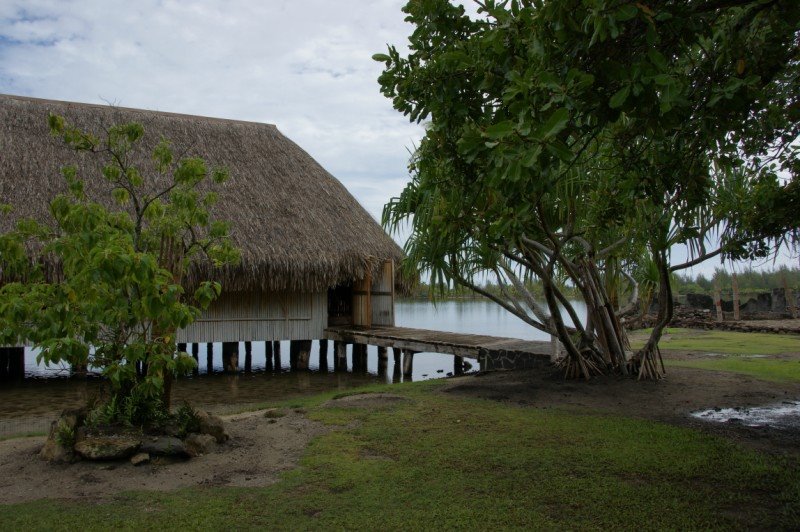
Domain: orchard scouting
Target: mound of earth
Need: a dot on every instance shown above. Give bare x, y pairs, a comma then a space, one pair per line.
366, 400
259, 450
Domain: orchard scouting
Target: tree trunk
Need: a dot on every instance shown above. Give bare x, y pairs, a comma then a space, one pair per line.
647, 363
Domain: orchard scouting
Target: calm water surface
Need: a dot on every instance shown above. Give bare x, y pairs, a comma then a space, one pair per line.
27, 405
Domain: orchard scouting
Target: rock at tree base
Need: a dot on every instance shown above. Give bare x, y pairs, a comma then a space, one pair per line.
55, 452
199, 444
140, 459
107, 447
213, 426
164, 446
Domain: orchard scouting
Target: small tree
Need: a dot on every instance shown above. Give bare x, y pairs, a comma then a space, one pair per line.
103, 287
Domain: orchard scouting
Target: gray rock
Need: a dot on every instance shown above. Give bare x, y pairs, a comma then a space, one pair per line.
164, 445
199, 444
54, 452
107, 447
73, 418
140, 459
213, 426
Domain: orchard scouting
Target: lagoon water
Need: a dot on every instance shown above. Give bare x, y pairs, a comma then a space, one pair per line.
24, 406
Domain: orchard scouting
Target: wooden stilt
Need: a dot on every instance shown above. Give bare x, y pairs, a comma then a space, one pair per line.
339, 356
268, 355
17, 364
408, 364
5, 355
209, 358
12, 363
230, 356
248, 357
458, 365
293, 355
735, 285
718, 303
383, 361
277, 354
323, 355
359, 358
396, 371
77, 370
303, 354
196, 357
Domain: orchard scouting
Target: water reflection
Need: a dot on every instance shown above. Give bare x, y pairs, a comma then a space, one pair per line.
42, 395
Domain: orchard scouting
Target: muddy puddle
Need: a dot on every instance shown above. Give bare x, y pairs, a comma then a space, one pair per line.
784, 415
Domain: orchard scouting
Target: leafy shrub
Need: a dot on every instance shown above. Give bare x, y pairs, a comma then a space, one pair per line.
187, 420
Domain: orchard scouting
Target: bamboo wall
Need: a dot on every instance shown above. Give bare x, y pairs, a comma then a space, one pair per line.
382, 294
248, 316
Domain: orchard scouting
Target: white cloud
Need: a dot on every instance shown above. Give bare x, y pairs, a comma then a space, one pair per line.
304, 66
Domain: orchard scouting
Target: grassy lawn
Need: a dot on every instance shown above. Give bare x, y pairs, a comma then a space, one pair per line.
735, 350
761, 368
439, 461
728, 342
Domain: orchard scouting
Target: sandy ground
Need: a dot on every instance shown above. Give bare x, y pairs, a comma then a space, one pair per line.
261, 448
258, 451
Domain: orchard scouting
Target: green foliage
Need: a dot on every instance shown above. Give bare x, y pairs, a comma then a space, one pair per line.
726, 342
749, 280
601, 131
134, 409
187, 420
112, 296
65, 435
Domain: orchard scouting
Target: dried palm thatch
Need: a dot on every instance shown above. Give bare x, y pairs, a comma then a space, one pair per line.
297, 227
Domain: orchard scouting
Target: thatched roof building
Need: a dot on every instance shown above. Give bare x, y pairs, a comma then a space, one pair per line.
297, 227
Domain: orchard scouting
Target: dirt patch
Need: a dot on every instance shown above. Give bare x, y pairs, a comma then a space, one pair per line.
370, 401
671, 400
259, 450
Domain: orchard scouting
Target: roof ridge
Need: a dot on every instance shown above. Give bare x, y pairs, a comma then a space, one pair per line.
135, 109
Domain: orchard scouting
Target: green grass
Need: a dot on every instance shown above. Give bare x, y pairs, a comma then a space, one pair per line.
23, 435
729, 342
441, 461
761, 368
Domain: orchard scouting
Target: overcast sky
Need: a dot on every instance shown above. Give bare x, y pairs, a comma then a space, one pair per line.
303, 65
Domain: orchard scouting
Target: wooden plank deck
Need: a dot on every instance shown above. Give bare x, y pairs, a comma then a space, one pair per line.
423, 340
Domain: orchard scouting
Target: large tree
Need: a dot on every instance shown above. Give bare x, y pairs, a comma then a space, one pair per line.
572, 140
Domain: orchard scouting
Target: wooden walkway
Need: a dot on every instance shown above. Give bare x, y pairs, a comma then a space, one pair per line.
423, 340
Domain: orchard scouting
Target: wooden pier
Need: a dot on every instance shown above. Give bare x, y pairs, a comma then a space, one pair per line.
491, 351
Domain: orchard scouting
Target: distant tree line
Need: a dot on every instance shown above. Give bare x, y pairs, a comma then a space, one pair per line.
749, 280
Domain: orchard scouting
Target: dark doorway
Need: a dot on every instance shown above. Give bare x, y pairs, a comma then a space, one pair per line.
340, 305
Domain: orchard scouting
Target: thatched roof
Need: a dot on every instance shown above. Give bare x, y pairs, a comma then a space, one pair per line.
297, 227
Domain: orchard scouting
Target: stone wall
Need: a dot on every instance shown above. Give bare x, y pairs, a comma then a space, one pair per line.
505, 360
